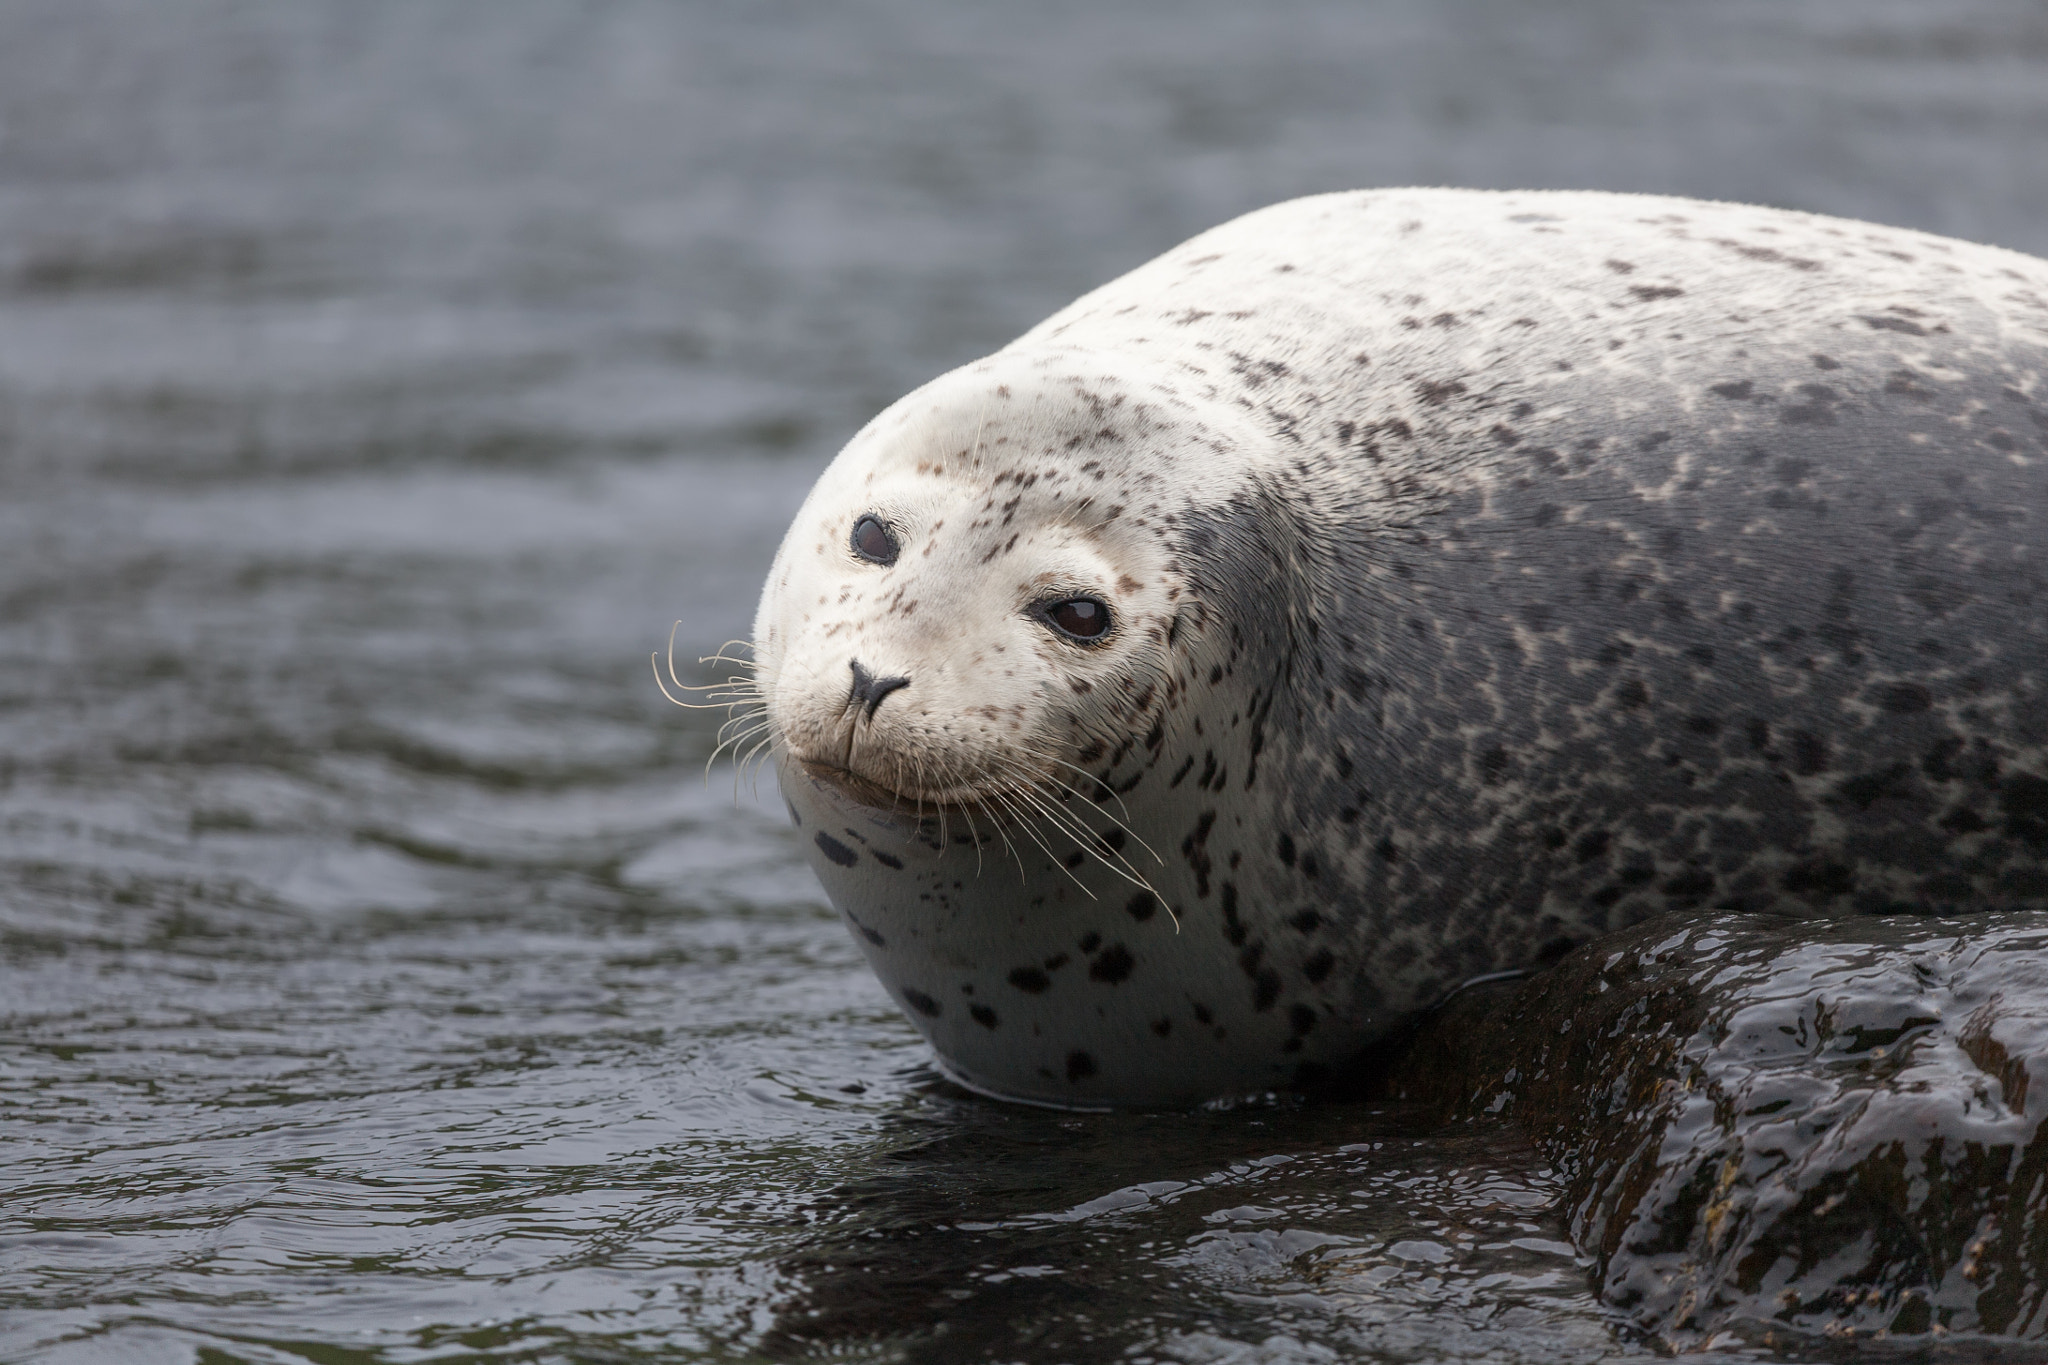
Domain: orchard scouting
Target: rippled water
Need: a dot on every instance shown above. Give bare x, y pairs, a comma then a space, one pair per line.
380, 980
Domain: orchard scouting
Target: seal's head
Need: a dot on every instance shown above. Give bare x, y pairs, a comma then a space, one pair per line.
973, 603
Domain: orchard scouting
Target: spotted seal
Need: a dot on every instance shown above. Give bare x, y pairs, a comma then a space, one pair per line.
1387, 589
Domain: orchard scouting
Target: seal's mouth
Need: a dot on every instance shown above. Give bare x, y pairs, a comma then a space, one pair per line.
852, 784
866, 791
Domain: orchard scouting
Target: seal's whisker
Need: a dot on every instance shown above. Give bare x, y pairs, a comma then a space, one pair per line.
967, 813
655, 659
1078, 830
1003, 803
1032, 832
741, 728
727, 692
1031, 829
1092, 777
760, 746
674, 626
1059, 784
751, 725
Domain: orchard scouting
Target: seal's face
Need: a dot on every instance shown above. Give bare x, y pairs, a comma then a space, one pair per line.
962, 615
984, 660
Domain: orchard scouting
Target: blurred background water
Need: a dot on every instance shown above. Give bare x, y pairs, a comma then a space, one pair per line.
380, 977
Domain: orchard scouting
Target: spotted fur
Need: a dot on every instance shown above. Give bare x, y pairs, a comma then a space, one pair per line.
1490, 571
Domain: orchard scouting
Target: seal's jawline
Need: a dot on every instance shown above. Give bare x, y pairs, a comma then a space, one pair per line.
875, 796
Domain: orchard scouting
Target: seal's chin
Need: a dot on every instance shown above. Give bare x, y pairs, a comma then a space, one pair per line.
865, 791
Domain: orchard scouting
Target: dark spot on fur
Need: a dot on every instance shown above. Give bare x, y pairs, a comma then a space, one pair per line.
1740, 388
1866, 789
983, 1015
1265, 990
1287, 849
1233, 928
1911, 329
1820, 880
1809, 753
836, 851
1904, 698
1305, 921
1141, 906
888, 860
2024, 799
1592, 844
1300, 1018
1963, 820
1113, 965
1030, 980
921, 1002
1162, 1026
1318, 965
1691, 882
1080, 1066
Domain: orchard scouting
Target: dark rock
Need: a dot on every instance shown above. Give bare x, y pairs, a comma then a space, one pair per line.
1781, 1130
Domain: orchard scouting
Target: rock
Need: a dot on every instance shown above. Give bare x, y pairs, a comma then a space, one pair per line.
1783, 1130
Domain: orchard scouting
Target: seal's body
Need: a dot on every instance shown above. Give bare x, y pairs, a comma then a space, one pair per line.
1387, 589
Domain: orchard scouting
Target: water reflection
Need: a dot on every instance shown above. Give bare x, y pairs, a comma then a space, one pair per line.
1279, 1232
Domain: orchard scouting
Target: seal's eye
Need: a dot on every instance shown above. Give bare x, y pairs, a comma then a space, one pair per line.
1081, 619
872, 541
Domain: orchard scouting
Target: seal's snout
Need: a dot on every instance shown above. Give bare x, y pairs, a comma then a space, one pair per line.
868, 690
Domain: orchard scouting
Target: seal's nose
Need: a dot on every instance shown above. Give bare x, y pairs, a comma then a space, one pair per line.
869, 690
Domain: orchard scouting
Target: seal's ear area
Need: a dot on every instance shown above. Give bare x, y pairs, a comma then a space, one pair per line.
1255, 556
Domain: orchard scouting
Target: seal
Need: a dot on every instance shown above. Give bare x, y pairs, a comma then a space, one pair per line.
1388, 589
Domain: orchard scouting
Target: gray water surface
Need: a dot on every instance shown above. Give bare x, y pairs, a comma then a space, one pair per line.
381, 979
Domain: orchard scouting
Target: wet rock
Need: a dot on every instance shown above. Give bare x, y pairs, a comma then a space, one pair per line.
1784, 1130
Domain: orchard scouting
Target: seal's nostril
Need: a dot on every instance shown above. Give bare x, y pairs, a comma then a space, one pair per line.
869, 689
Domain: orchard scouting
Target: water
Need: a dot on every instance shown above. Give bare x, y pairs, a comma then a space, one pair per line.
379, 978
